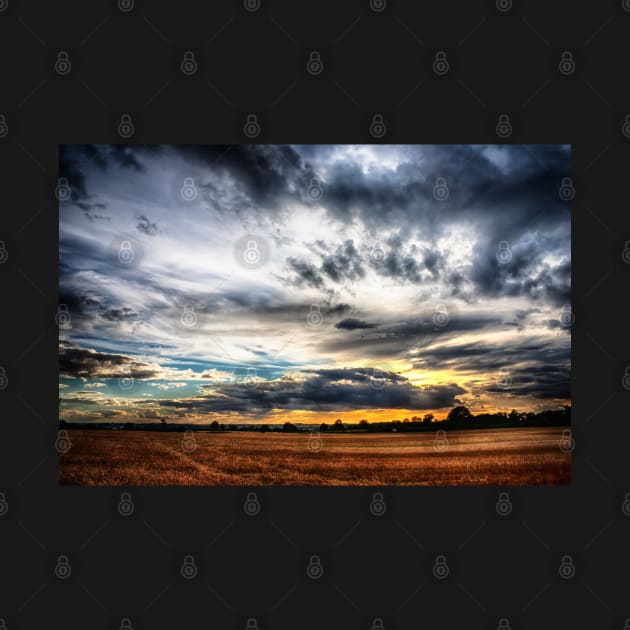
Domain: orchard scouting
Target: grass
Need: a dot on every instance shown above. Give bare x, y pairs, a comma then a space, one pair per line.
521, 456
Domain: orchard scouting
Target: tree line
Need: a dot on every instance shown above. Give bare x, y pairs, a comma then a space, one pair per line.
459, 417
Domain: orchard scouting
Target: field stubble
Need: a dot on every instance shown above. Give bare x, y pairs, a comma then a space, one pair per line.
522, 456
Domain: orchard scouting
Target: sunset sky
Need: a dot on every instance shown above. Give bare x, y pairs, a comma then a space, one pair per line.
259, 283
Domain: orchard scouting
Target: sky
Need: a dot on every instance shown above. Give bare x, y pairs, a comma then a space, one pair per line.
273, 283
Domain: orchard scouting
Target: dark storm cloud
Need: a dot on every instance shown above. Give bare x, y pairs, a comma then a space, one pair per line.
146, 227
484, 357
268, 174
274, 308
540, 381
351, 323
541, 369
76, 302
456, 283
239, 178
77, 362
399, 265
505, 192
525, 273
338, 264
463, 322
356, 375
125, 156
71, 168
338, 309
83, 306
323, 390
91, 210
344, 263
118, 314
478, 186
76, 159
105, 155
395, 339
305, 273
434, 261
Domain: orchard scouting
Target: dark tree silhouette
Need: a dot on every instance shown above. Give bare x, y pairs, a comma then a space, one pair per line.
515, 416
459, 414
459, 417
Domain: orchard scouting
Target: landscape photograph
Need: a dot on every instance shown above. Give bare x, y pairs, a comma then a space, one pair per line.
330, 315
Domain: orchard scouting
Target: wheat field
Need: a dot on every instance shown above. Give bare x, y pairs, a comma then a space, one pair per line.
521, 456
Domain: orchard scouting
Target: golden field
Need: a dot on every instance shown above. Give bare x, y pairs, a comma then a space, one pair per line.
519, 456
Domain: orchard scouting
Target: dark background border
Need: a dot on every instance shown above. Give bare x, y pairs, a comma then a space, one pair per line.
375, 63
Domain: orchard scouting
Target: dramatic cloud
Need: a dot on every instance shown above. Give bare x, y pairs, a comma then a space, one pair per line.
344, 263
75, 362
307, 270
306, 274
146, 227
325, 390
352, 323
